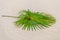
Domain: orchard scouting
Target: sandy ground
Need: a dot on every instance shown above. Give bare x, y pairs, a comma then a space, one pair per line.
8, 30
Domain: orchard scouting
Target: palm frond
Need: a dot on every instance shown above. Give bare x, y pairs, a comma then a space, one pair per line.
29, 20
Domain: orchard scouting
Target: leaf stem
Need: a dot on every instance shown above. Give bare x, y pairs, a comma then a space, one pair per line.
10, 16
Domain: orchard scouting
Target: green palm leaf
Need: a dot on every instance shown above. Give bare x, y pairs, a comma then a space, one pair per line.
34, 20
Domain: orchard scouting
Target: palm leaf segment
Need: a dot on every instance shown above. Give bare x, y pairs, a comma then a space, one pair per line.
34, 20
